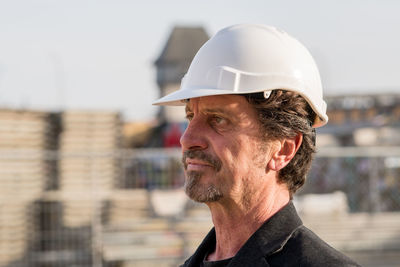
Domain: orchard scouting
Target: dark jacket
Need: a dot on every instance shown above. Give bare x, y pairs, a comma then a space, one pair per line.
281, 241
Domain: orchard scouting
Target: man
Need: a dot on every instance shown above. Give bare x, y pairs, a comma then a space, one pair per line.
253, 97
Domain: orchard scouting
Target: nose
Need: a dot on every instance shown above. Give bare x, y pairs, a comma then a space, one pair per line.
194, 136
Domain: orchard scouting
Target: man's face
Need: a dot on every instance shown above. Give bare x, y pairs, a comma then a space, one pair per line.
223, 154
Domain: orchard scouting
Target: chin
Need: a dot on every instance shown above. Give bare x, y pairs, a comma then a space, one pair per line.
198, 191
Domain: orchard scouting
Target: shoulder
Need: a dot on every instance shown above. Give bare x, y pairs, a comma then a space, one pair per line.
305, 248
186, 263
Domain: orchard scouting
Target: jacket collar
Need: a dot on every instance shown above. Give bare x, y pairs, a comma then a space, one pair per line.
268, 239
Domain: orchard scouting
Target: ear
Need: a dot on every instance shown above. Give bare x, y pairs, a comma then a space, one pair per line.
284, 152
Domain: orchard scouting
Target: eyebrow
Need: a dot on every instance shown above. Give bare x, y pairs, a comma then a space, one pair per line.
216, 110
209, 110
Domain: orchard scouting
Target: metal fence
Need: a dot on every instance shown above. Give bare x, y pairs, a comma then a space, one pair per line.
96, 209
370, 176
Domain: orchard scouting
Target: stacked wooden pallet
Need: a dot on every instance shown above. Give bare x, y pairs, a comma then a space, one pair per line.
134, 235
143, 242
15, 228
363, 236
26, 171
79, 212
152, 241
126, 206
25, 168
88, 143
88, 164
359, 231
194, 226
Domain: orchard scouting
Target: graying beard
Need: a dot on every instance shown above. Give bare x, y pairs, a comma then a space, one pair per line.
194, 190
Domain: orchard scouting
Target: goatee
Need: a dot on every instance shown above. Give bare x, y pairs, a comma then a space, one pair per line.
193, 187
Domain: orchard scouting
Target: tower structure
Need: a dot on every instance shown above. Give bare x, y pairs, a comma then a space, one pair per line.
173, 62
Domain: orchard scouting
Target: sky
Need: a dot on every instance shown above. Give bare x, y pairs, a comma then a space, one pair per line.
80, 54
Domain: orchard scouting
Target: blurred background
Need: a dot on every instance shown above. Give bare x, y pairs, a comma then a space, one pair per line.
90, 171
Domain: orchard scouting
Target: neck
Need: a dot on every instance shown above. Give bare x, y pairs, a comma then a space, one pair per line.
235, 222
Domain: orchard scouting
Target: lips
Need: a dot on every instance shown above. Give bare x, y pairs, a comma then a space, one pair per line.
199, 160
194, 164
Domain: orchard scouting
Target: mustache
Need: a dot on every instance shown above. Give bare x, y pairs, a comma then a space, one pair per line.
201, 155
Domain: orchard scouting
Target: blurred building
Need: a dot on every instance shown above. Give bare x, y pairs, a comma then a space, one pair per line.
173, 62
362, 120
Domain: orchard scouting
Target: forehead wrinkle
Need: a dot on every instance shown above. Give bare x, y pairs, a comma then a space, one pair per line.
209, 105
210, 110
216, 110
222, 107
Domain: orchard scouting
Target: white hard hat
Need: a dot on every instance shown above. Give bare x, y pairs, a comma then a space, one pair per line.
250, 58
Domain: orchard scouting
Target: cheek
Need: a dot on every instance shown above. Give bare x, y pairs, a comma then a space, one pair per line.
239, 156
231, 151
261, 155
256, 155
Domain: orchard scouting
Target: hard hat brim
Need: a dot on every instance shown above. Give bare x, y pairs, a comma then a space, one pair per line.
178, 98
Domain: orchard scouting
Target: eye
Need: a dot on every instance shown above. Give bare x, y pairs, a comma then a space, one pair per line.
189, 116
217, 120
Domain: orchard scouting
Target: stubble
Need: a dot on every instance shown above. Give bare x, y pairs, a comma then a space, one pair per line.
194, 187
